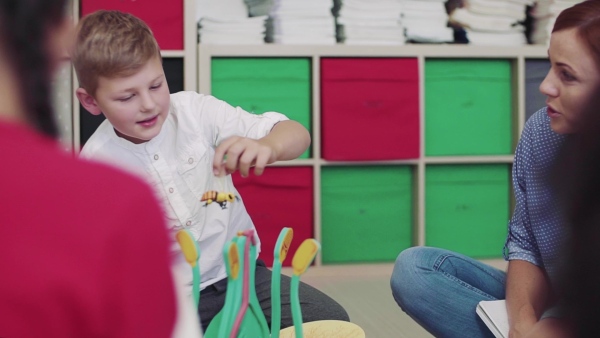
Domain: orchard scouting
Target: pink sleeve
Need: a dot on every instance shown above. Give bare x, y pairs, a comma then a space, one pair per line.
141, 290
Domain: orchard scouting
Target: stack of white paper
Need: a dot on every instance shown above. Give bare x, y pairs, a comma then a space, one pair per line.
302, 22
493, 314
544, 15
426, 21
371, 22
493, 22
227, 22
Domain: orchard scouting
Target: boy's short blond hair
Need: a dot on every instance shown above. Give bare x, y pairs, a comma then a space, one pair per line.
110, 44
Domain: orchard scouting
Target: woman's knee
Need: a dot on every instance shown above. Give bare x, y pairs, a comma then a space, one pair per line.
409, 273
410, 261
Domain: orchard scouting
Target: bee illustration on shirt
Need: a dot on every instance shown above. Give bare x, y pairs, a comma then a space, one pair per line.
221, 198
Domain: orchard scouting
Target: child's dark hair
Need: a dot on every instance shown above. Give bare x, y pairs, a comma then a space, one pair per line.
23, 31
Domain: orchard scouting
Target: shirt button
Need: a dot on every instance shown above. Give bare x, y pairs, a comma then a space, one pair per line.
156, 157
188, 223
171, 190
191, 160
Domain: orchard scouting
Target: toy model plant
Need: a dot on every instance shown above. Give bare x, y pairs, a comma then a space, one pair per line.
242, 316
303, 257
250, 321
280, 253
191, 252
221, 324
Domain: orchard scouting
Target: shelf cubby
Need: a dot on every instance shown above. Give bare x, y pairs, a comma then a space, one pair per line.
281, 197
259, 85
366, 213
467, 207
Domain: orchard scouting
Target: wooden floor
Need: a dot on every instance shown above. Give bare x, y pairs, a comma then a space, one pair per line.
364, 291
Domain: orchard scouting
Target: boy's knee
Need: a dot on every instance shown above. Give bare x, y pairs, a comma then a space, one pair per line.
327, 309
316, 305
337, 312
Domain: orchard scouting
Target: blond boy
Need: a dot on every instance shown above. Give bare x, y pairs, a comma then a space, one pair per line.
179, 143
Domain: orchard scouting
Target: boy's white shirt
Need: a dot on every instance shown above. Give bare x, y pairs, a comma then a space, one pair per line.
178, 165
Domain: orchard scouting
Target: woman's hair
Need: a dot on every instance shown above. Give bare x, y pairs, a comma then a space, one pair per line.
576, 178
23, 34
585, 17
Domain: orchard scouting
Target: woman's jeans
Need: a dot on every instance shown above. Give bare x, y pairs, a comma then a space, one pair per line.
440, 290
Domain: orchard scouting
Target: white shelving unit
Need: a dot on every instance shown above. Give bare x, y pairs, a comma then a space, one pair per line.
197, 77
516, 55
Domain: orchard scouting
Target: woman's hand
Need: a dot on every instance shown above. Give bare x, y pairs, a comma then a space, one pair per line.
521, 329
550, 328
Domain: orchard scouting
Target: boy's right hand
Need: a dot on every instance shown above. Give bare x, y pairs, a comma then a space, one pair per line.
241, 153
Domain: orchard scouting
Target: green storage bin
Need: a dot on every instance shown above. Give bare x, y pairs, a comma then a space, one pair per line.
259, 85
467, 208
366, 213
468, 107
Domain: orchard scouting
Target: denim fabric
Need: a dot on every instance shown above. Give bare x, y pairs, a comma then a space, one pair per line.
440, 290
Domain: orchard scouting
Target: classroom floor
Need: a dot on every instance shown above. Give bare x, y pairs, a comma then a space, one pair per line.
364, 291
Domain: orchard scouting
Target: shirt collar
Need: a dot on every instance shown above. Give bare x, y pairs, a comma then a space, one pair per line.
143, 148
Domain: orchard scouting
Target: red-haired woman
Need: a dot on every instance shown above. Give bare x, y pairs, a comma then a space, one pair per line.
440, 289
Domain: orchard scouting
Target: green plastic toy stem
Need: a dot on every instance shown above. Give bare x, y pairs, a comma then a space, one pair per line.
303, 258
276, 284
276, 299
254, 306
296, 311
196, 284
233, 297
245, 292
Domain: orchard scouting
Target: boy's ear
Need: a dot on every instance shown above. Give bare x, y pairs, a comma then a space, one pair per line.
87, 101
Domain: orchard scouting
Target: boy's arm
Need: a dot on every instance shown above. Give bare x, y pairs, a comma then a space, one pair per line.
287, 140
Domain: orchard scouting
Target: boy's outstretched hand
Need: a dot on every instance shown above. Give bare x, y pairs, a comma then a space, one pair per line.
240, 153
287, 140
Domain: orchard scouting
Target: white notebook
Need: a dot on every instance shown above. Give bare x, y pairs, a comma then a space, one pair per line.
493, 313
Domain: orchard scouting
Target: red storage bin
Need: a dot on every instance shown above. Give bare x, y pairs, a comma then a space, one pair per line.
369, 108
165, 18
281, 197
